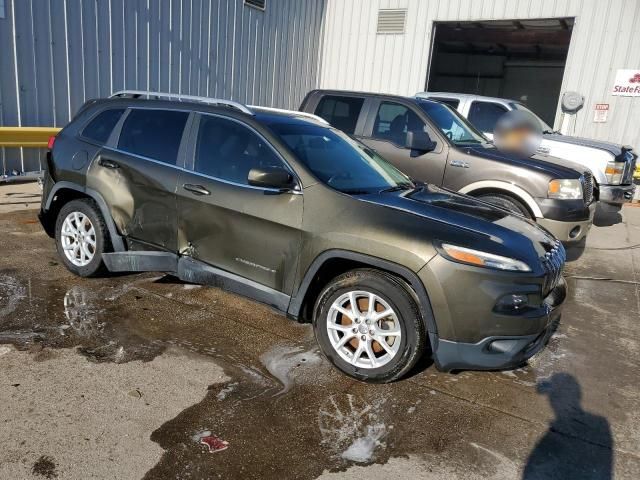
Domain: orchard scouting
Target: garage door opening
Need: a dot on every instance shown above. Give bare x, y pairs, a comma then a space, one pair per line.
519, 59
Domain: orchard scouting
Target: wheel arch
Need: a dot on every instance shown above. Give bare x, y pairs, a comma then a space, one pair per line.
504, 188
64, 192
332, 263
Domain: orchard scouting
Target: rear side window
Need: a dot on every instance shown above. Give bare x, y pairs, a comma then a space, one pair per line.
452, 102
102, 125
341, 112
154, 134
228, 150
485, 115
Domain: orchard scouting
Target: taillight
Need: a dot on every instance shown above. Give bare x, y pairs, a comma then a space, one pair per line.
52, 141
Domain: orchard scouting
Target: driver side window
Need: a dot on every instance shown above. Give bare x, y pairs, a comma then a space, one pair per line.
227, 150
393, 121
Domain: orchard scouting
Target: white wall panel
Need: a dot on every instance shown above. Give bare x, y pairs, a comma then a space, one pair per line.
605, 38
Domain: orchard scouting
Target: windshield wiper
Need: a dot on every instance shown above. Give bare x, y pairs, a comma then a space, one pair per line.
398, 188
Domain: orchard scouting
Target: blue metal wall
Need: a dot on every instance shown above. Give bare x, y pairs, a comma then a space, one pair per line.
56, 54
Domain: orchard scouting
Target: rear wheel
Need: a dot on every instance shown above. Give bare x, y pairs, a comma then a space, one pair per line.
82, 238
508, 203
369, 326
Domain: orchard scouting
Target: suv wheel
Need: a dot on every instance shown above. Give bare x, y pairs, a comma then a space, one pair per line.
369, 326
81, 237
506, 202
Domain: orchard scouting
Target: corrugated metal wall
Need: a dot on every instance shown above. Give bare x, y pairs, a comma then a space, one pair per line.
606, 37
55, 54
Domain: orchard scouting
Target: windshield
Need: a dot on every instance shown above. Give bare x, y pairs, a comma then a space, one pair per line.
545, 128
450, 123
339, 161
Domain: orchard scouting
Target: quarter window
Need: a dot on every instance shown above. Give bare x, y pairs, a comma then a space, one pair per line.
228, 150
485, 115
100, 128
341, 112
155, 134
394, 120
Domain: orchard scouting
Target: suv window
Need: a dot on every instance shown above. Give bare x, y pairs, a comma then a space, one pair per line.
394, 120
452, 102
341, 112
155, 134
227, 150
102, 125
485, 115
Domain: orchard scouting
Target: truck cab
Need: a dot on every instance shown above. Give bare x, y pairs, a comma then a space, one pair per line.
612, 165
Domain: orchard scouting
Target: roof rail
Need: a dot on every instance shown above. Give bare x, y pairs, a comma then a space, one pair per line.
184, 98
295, 113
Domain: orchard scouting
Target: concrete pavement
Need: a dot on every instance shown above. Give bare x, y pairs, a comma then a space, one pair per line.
74, 353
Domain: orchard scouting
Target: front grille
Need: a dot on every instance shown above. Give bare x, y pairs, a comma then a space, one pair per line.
553, 263
587, 187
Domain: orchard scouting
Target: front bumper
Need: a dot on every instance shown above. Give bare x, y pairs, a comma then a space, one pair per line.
616, 195
501, 351
569, 231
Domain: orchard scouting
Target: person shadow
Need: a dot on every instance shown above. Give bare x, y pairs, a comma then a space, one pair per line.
578, 444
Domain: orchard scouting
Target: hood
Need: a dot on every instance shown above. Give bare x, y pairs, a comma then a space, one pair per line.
613, 148
551, 166
478, 224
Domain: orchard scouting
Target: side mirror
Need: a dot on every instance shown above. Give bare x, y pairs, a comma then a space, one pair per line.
419, 141
270, 178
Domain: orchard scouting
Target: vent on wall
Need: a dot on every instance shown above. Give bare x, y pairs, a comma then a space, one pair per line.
259, 4
391, 20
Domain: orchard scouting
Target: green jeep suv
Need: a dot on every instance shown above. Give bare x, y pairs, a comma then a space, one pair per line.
283, 208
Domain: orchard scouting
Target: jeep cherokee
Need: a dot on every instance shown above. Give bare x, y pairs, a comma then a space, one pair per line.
287, 210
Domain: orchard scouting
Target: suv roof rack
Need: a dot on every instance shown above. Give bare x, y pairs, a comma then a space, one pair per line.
180, 97
293, 113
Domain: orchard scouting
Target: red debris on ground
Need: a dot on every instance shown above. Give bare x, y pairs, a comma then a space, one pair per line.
215, 444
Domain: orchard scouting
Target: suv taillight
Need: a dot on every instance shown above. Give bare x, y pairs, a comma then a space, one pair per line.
52, 141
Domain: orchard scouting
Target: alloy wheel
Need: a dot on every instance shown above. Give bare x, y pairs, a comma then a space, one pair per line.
363, 329
78, 239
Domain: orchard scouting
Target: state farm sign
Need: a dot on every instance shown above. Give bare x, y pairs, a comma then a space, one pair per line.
627, 83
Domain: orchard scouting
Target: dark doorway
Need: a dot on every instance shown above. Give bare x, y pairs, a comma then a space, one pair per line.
519, 59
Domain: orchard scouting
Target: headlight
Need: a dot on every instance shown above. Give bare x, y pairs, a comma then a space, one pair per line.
565, 189
483, 259
614, 172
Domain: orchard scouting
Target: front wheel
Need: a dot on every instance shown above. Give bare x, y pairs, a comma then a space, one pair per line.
506, 202
369, 326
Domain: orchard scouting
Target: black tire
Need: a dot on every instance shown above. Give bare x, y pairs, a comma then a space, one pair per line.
397, 294
89, 208
506, 202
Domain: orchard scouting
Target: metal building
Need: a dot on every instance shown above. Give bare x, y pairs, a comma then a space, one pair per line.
397, 46
56, 54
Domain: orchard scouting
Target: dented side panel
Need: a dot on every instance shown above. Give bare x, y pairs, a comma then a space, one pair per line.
246, 231
140, 195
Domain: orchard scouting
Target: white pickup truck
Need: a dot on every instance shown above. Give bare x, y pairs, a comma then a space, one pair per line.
612, 165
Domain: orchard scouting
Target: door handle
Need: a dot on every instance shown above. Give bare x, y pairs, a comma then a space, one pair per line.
197, 189
459, 163
103, 162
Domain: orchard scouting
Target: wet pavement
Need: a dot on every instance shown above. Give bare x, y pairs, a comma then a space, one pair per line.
175, 362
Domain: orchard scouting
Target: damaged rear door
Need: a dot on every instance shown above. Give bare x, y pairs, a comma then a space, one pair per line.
137, 175
223, 221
